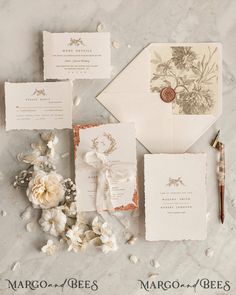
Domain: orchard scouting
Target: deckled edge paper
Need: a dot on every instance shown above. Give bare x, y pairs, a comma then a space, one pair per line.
151, 192
76, 129
104, 66
15, 93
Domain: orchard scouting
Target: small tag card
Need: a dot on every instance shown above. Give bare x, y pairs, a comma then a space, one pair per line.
45, 105
105, 167
175, 197
76, 55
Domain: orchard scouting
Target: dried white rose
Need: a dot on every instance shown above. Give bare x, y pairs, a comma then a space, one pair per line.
45, 190
53, 221
49, 248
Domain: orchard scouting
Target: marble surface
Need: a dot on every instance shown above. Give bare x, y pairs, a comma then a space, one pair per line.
133, 23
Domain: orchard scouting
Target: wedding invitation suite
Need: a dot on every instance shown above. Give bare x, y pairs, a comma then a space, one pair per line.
105, 167
175, 88
175, 197
46, 105
76, 55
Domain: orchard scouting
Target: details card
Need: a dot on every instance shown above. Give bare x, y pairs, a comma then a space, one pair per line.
45, 105
105, 167
76, 55
175, 197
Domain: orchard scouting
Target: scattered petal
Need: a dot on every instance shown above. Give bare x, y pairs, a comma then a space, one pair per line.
16, 266
134, 259
29, 227
27, 213
65, 155
154, 263
49, 248
208, 216
132, 240
115, 44
3, 213
100, 27
209, 252
77, 100
153, 276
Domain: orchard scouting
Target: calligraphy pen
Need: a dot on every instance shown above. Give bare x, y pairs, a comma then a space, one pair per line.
221, 173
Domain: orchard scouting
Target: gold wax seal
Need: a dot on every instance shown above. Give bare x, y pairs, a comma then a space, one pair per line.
167, 94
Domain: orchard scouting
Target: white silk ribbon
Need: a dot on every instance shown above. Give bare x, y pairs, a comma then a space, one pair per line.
106, 173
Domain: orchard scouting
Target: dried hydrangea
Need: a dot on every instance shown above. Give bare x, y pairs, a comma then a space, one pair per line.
53, 221
49, 248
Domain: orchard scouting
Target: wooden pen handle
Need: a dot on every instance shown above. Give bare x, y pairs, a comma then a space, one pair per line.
222, 203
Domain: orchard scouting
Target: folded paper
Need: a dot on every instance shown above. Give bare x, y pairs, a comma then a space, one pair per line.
38, 105
172, 92
175, 197
105, 164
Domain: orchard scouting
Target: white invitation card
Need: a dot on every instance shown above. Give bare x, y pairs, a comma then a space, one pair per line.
38, 105
76, 55
105, 167
175, 197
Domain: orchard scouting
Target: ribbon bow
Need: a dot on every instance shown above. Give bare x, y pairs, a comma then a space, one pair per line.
106, 173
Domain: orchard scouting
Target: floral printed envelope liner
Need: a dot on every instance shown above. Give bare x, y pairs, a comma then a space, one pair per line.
105, 157
189, 75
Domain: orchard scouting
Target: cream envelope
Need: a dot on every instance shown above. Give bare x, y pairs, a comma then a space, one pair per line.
192, 70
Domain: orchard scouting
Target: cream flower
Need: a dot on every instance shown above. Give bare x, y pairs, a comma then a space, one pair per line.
76, 237
53, 221
49, 248
45, 190
108, 243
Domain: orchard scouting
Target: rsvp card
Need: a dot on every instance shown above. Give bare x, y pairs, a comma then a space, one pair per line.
105, 167
76, 55
175, 197
46, 105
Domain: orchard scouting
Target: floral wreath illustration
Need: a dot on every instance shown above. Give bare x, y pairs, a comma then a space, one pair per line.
111, 141
187, 78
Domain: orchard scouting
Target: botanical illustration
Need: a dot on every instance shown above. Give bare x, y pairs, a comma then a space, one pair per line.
39, 92
175, 182
76, 42
105, 144
193, 74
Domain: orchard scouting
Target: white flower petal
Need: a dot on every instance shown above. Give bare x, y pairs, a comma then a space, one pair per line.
134, 259
16, 266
